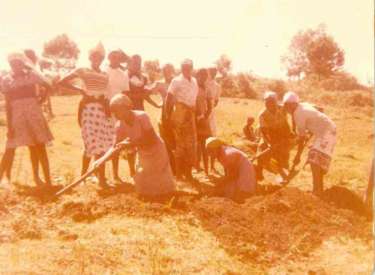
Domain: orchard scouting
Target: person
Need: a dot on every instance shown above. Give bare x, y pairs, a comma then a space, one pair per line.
214, 90
26, 123
239, 180
138, 92
165, 128
118, 82
203, 112
276, 135
47, 104
180, 110
370, 188
309, 120
153, 177
250, 134
94, 114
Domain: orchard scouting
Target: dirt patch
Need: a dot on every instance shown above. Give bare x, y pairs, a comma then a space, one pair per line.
285, 225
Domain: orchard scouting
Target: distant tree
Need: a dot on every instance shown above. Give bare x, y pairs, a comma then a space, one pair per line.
313, 52
63, 51
152, 68
224, 64
245, 87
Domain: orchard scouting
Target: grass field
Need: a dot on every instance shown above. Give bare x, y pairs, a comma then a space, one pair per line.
285, 232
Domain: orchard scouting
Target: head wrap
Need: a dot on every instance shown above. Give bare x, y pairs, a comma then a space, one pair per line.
18, 56
99, 49
118, 54
290, 97
187, 62
122, 101
214, 142
269, 95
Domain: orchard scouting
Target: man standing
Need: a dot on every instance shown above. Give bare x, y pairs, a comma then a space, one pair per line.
276, 136
118, 82
164, 125
180, 110
310, 120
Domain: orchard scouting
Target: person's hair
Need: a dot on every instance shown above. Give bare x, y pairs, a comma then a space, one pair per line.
212, 71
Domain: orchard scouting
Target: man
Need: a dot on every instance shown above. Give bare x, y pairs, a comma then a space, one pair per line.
164, 125
180, 110
137, 82
214, 91
310, 120
118, 82
276, 136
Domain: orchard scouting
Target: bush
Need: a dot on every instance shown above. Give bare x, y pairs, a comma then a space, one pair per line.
340, 81
278, 86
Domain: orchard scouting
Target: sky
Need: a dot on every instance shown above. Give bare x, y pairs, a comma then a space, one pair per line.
255, 34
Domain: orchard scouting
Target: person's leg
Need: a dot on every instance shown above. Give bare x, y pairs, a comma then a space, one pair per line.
34, 157
131, 162
85, 163
44, 162
115, 167
7, 163
317, 174
204, 155
199, 154
172, 160
101, 174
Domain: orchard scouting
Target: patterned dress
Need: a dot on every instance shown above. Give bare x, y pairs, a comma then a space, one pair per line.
27, 121
153, 174
97, 129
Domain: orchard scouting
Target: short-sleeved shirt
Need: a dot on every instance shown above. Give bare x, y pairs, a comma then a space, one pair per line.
20, 86
276, 124
214, 89
96, 83
118, 81
184, 91
308, 118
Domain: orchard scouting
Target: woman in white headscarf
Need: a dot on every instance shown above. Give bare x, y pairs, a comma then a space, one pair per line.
26, 123
94, 115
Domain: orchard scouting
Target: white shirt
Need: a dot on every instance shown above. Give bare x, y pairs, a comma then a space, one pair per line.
214, 89
118, 82
184, 91
307, 118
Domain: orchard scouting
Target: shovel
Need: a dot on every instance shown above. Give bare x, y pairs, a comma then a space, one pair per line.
95, 166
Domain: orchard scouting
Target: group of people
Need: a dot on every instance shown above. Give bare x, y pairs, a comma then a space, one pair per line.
111, 114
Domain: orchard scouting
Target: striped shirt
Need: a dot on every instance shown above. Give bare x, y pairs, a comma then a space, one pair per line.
96, 83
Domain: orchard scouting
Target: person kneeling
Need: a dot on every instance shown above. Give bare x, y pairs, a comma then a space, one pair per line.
239, 180
153, 178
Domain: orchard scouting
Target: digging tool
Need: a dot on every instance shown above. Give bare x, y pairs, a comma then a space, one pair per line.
293, 172
95, 166
260, 154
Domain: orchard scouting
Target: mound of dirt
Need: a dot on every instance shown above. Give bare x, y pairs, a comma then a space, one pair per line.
285, 225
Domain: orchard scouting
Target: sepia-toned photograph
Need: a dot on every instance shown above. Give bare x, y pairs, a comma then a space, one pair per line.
187, 137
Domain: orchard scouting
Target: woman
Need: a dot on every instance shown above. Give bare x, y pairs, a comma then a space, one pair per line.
239, 179
26, 123
203, 112
153, 177
94, 115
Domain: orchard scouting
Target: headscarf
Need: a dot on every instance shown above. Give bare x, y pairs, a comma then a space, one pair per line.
187, 62
270, 95
118, 54
122, 101
290, 97
99, 49
18, 56
213, 143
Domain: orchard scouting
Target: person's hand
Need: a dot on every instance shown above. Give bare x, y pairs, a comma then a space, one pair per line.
124, 144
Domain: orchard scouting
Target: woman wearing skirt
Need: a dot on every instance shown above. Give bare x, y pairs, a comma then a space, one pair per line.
94, 116
26, 123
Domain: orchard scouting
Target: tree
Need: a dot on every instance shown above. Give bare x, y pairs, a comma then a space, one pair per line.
152, 68
313, 52
224, 64
63, 51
